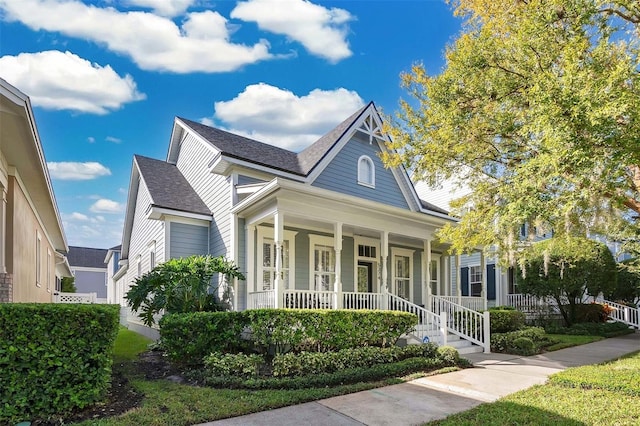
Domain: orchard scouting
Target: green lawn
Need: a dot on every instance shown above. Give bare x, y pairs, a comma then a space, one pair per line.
568, 340
607, 394
128, 345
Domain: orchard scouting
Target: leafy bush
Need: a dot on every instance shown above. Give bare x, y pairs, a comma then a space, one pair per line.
188, 338
505, 320
448, 355
607, 329
297, 330
241, 365
524, 346
591, 312
628, 289
506, 342
54, 358
180, 285
306, 363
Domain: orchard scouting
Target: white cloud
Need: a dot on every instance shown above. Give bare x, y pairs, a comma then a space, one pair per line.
91, 139
151, 41
77, 171
164, 7
92, 231
105, 205
113, 139
321, 31
270, 114
64, 81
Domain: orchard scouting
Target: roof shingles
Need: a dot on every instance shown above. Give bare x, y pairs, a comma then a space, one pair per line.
86, 257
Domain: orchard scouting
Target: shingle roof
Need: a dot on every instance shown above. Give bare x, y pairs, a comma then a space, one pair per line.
86, 257
264, 154
168, 187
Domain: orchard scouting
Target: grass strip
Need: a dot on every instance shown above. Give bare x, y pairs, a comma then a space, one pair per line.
129, 345
564, 341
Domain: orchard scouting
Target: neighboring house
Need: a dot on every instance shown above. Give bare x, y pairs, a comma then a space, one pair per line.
328, 227
112, 259
90, 271
32, 241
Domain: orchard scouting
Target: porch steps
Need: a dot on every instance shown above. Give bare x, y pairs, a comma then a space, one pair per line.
463, 346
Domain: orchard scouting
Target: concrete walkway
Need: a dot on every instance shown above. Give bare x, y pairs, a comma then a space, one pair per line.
436, 397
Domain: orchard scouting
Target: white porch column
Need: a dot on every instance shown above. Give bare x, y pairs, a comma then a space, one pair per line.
3, 230
250, 232
337, 284
278, 237
458, 279
483, 268
384, 248
426, 274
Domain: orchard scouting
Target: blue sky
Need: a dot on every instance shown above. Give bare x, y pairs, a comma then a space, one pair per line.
106, 78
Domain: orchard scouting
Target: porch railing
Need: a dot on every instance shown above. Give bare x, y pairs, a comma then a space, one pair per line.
60, 297
262, 299
467, 323
622, 313
529, 303
308, 299
429, 324
470, 302
352, 300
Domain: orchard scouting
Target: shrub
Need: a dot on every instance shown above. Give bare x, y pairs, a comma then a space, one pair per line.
241, 365
505, 320
607, 329
505, 342
297, 330
524, 346
188, 338
448, 355
591, 312
628, 288
54, 358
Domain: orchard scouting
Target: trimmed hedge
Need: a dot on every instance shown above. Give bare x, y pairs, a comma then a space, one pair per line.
606, 329
521, 342
54, 357
188, 338
506, 320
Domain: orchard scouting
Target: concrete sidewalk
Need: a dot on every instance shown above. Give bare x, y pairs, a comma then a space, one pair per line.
437, 397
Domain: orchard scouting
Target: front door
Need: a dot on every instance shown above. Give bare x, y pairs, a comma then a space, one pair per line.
365, 277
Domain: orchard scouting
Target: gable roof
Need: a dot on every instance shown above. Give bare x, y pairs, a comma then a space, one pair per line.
86, 257
264, 154
168, 187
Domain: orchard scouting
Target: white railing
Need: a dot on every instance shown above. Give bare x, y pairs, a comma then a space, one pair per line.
467, 323
622, 313
470, 302
352, 300
60, 297
429, 324
309, 299
530, 303
262, 299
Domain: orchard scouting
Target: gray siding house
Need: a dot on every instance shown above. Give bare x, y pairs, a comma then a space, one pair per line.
90, 271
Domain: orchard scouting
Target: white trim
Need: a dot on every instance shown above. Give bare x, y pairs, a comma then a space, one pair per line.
48, 270
367, 241
160, 213
482, 274
88, 269
323, 241
396, 251
38, 259
371, 178
167, 240
268, 232
222, 164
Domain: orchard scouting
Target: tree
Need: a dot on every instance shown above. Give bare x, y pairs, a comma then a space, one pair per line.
68, 285
181, 285
628, 288
567, 269
537, 113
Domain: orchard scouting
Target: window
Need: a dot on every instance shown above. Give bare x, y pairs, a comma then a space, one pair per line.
38, 259
402, 272
267, 264
152, 255
116, 259
366, 262
323, 261
475, 281
139, 264
366, 172
367, 251
434, 276
48, 277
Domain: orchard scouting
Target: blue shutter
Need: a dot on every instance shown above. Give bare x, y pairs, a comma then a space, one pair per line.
464, 281
491, 281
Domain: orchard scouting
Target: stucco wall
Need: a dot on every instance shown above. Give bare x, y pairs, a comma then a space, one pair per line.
22, 232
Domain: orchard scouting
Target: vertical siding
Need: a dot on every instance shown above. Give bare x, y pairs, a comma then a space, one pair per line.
188, 240
143, 232
214, 190
341, 175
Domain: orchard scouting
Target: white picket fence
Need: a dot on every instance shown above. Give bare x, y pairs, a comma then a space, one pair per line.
60, 297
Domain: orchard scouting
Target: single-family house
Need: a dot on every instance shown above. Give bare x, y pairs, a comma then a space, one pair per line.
112, 260
328, 227
32, 241
89, 270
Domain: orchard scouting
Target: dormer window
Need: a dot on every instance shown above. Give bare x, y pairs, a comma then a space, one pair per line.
366, 172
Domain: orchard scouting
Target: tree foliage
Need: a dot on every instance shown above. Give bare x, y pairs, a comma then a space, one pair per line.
68, 285
567, 269
181, 285
537, 115
628, 288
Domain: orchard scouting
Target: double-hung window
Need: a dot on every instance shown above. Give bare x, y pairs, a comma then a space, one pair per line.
475, 281
267, 259
323, 261
402, 272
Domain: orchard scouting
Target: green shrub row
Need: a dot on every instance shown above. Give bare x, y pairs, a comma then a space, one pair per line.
305, 363
54, 358
239, 365
526, 341
606, 329
188, 338
506, 320
355, 375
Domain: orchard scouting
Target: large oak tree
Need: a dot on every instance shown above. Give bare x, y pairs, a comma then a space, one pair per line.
537, 113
